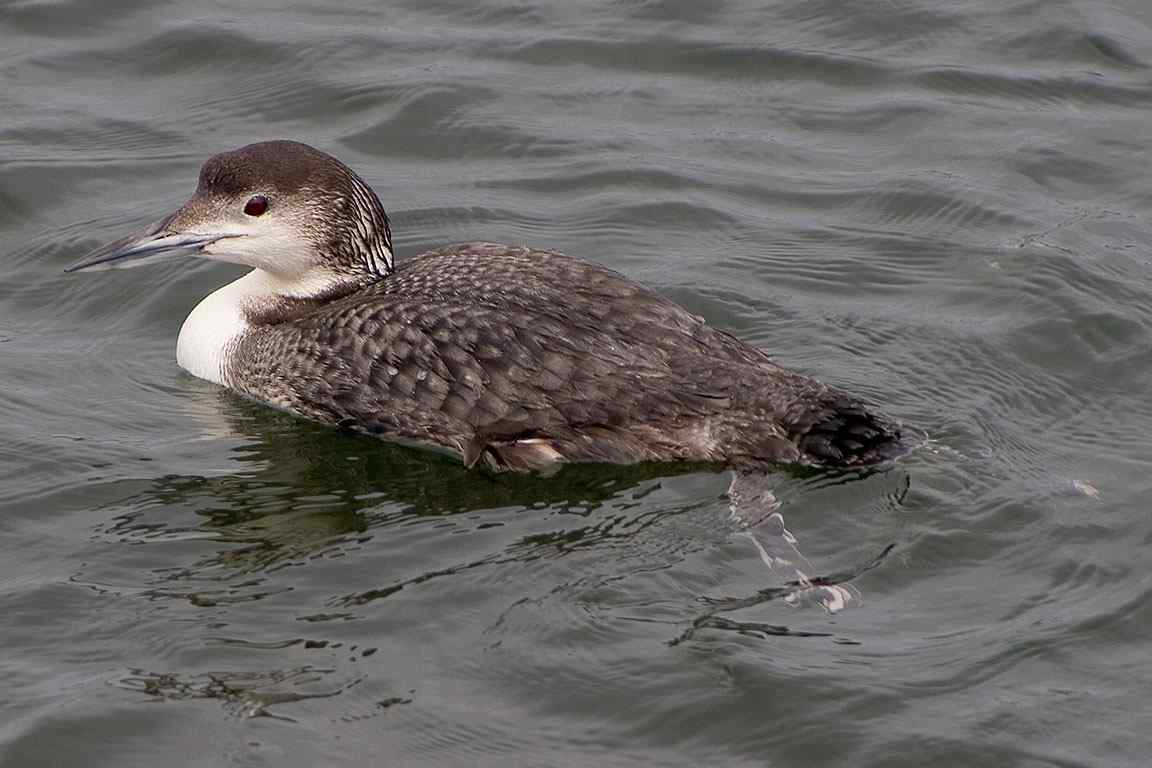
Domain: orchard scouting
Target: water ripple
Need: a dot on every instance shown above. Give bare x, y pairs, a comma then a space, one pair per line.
940, 207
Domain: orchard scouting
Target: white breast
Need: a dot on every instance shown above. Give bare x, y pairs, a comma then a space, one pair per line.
215, 325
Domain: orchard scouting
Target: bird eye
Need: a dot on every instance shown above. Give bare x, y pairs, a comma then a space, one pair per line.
256, 205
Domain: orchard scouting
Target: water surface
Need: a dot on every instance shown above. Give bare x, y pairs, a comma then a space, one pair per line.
942, 206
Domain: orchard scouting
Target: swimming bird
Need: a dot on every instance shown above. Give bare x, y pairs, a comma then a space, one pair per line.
509, 357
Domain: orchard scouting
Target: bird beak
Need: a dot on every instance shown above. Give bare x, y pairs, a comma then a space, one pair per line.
144, 247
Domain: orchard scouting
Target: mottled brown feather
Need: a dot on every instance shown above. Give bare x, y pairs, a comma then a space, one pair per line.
519, 358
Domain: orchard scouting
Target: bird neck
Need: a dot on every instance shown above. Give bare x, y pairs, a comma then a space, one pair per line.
259, 298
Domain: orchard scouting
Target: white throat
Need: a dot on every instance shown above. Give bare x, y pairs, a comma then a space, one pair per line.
216, 325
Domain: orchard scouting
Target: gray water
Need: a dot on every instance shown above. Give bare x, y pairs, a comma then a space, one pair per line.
943, 206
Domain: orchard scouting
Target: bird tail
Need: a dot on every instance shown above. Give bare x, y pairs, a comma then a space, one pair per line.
838, 430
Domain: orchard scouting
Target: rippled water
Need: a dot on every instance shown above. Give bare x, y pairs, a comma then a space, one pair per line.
943, 206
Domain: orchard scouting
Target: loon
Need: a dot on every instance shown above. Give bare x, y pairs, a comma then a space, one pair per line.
508, 357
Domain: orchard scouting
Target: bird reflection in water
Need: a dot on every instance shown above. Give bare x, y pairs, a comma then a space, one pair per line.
300, 490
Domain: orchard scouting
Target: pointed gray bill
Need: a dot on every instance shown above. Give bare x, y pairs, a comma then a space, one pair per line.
151, 245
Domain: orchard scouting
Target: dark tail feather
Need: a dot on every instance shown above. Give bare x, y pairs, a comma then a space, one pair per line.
838, 430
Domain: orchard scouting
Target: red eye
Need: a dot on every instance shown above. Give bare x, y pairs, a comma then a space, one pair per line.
256, 205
